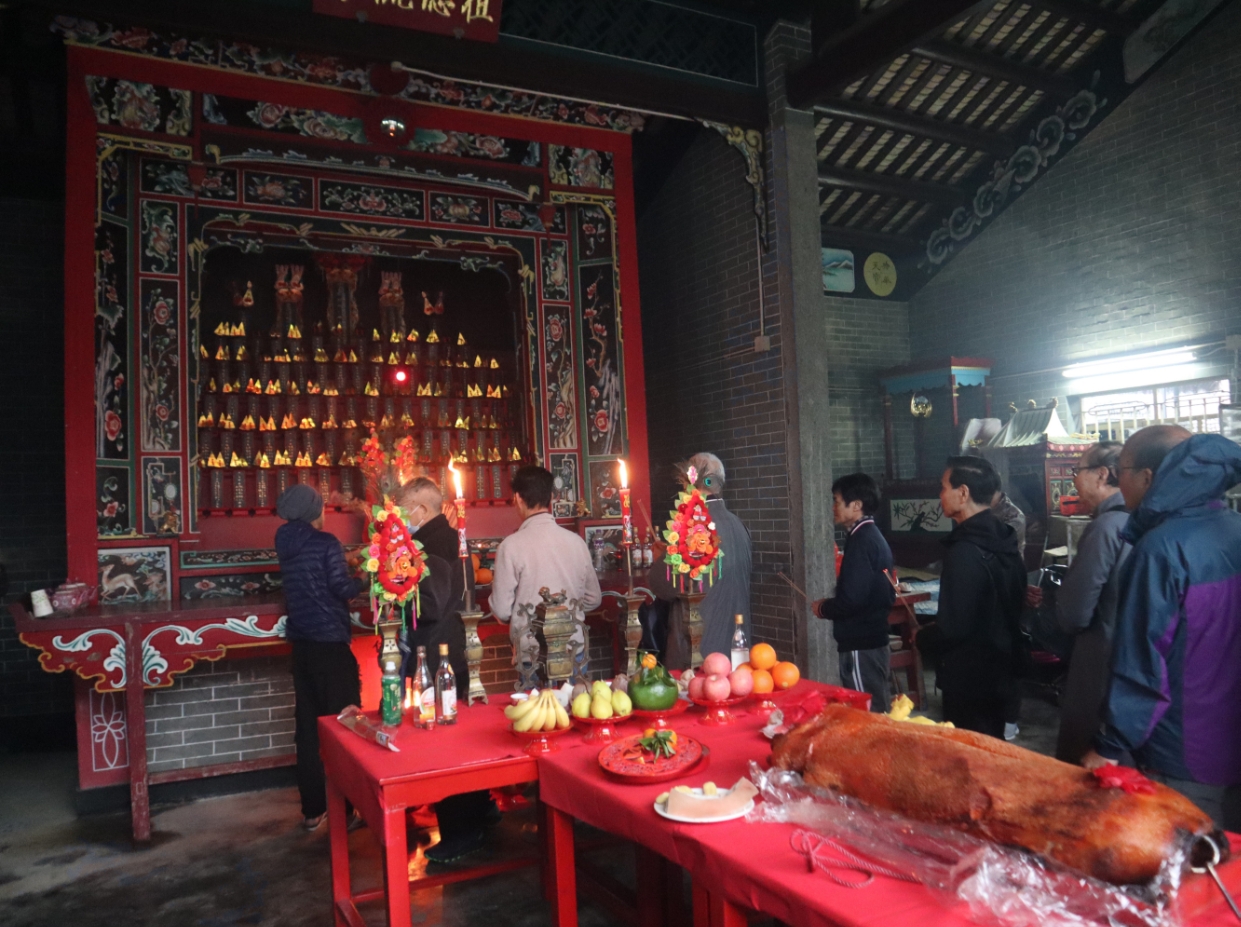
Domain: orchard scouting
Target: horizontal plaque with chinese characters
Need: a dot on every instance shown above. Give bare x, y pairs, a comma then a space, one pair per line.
465, 19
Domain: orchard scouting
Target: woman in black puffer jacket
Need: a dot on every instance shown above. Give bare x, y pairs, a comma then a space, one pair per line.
317, 591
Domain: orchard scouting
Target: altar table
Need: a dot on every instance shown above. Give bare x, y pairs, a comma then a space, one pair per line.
474, 754
737, 867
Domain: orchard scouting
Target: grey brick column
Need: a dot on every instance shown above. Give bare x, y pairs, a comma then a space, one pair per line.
791, 270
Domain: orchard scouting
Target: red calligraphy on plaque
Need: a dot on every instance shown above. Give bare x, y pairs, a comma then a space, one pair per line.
464, 19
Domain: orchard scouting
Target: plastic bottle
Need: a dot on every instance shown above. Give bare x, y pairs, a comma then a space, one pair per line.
445, 690
422, 701
741, 647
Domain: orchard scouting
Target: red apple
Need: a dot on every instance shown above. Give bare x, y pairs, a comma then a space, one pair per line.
717, 664
716, 688
741, 681
695, 686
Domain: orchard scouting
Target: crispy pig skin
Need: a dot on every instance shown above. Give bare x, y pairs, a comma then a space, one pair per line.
991, 789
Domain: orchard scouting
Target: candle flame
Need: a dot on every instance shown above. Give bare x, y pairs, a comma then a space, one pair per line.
456, 479
624, 473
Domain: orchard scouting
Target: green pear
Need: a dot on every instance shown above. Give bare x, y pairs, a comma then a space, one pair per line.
581, 705
599, 687
601, 708
621, 703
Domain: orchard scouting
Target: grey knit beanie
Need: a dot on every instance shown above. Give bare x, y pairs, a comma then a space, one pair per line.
299, 503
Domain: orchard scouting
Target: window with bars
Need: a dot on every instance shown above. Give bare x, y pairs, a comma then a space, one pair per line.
1194, 405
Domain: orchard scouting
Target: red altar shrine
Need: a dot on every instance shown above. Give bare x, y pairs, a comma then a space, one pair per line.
268, 256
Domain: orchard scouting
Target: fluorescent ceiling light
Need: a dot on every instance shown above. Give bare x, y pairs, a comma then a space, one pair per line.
1146, 362
1136, 379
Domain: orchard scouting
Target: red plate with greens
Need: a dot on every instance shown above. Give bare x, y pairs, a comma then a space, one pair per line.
628, 762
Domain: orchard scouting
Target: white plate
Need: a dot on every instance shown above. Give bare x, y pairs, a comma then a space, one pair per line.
741, 812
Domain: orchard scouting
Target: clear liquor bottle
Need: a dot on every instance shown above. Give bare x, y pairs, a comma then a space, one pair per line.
445, 690
422, 700
741, 647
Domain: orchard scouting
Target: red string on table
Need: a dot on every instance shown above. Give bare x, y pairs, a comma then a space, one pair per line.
815, 848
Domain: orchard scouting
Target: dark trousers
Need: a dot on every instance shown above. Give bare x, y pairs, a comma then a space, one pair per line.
984, 715
868, 671
325, 682
461, 815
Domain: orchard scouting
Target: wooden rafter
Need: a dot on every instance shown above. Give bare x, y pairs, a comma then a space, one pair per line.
892, 186
980, 62
920, 126
872, 42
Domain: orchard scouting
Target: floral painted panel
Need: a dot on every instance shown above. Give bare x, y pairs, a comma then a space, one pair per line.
228, 587
159, 365
525, 217
171, 178
112, 417
134, 574
159, 237
469, 145
561, 389
605, 407
567, 485
331, 71
276, 117
113, 509
264, 189
134, 105
113, 180
369, 200
464, 210
556, 270
594, 233
604, 490
580, 167
161, 495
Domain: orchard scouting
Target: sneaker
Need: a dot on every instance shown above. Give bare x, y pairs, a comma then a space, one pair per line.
455, 848
1011, 730
313, 823
356, 822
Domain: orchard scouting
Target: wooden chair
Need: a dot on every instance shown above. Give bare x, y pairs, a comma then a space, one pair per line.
902, 621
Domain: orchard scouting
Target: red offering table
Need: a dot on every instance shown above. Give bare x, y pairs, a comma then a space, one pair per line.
738, 867
476, 753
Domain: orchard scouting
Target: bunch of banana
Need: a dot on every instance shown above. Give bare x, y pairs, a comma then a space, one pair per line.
542, 712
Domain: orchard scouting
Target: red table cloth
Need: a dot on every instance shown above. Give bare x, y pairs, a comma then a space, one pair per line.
753, 865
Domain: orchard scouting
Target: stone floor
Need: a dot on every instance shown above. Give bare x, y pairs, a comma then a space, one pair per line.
245, 860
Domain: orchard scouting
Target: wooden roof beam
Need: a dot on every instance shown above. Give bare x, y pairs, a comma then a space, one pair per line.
980, 62
1091, 15
899, 121
889, 185
872, 42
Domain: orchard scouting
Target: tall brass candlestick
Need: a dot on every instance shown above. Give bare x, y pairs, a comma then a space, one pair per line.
693, 624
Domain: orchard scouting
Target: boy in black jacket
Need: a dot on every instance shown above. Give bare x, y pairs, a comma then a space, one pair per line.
864, 594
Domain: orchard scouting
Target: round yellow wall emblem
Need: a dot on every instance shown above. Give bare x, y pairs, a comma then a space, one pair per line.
880, 274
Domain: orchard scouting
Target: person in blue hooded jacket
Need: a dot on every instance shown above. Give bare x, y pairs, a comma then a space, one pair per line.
1175, 697
317, 589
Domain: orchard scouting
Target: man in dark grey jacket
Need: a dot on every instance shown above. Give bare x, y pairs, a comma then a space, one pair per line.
1086, 602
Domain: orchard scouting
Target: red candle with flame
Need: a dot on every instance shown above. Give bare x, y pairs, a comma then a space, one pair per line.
463, 549
626, 514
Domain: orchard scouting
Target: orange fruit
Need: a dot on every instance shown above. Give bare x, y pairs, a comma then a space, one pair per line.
785, 675
482, 576
763, 683
762, 656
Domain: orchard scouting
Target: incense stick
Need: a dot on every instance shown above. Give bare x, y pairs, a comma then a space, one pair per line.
796, 588
645, 514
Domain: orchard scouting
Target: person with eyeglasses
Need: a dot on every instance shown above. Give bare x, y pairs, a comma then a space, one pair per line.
1174, 702
1086, 601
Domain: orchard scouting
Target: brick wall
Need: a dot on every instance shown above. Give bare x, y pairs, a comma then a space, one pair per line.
223, 712
1131, 242
32, 464
707, 389
866, 336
